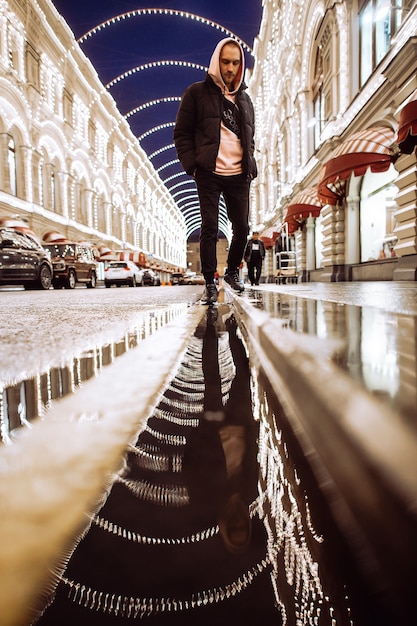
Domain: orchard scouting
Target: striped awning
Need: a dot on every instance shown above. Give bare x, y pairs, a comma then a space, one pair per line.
123, 255
17, 224
107, 255
304, 204
139, 257
268, 236
407, 127
53, 236
368, 149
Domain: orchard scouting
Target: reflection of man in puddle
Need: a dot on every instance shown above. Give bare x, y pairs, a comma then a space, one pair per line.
223, 467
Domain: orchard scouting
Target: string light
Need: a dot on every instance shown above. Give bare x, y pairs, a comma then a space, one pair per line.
170, 146
152, 65
168, 12
155, 129
152, 103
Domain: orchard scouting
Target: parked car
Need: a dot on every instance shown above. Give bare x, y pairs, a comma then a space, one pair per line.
23, 261
122, 273
72, 263
149, 277
177, 278
193, 279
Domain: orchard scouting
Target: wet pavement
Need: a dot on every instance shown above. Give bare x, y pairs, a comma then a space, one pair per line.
376, 321
216, 515
196, 528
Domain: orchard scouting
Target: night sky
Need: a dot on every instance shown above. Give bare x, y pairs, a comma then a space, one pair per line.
145, 39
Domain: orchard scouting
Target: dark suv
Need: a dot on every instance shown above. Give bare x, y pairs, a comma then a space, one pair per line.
73, 263
23, 261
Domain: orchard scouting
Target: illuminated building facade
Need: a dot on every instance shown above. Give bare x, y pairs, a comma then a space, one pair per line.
331, 85
69, 161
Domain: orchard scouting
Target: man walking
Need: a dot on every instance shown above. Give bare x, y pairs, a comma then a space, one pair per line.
214, 139
254, 256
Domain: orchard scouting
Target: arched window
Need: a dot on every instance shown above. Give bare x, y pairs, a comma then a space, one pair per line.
318, 96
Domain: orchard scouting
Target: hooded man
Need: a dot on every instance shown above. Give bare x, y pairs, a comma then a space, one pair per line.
214, 139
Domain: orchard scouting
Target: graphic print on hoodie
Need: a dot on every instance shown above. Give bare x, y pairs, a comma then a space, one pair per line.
229, 157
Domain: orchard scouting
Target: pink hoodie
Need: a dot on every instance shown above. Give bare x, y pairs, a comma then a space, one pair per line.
229, 157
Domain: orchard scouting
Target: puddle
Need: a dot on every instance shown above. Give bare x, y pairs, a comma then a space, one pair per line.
216, 517
22, 401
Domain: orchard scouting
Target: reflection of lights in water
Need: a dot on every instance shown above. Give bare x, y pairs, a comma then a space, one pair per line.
379, 352
37, 392
284, 505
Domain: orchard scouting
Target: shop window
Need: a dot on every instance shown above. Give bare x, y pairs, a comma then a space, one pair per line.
377, 209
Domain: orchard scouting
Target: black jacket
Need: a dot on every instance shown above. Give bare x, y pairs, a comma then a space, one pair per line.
248, 249
197, 127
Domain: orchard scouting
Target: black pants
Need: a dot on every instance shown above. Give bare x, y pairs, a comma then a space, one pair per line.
235, 190
254, 271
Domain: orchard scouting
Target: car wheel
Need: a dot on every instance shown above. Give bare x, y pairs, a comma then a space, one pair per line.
133, 282
45, 278
93, 282
71, 280
108, 285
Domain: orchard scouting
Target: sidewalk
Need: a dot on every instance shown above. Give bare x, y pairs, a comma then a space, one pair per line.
376, 322
395, 297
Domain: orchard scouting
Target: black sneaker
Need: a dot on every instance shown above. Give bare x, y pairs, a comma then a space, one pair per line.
209, 295
232, 279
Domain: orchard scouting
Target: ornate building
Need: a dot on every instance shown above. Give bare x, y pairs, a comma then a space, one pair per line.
70, 162
333, 86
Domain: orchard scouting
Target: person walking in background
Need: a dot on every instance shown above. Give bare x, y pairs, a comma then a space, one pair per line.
214, 138
254, 256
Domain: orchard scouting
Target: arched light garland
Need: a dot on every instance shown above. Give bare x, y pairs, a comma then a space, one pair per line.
189, 193
171, 13
129, 607
153, 64
155, 129
177, 175
189, 181
169, 146
174, 162
188, 203
152, 103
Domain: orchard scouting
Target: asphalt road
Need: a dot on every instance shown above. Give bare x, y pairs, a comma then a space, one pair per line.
39, 330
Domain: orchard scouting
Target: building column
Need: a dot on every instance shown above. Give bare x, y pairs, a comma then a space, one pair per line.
4, 164
36, 181
310, 257
352, 230
23, 172
406, 218
333, 242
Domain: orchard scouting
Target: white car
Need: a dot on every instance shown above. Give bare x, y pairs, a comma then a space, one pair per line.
122, 273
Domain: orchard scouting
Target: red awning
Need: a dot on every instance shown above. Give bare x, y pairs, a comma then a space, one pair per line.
303, 205
368, 149
107, 255
123, 255
407, 127
17, 224
269, 236
54, 237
